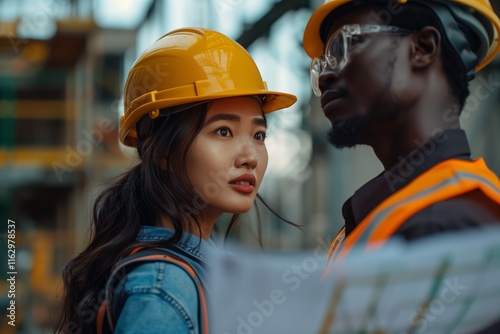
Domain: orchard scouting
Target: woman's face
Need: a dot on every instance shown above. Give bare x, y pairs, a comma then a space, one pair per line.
228, 158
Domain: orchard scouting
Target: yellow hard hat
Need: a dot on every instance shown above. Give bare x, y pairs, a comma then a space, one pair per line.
478, 16
191, 65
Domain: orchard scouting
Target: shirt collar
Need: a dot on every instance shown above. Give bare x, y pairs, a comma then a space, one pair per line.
189, 243
443, 146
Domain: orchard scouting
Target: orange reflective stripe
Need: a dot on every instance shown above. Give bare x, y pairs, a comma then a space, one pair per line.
335, 246
448, 179
470, 176
400, 214
384, 231
350, 240
339, 243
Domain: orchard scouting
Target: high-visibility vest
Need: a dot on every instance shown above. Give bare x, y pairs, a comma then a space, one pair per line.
446, 180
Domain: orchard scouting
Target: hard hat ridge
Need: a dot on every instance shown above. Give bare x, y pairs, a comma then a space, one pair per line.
469, 37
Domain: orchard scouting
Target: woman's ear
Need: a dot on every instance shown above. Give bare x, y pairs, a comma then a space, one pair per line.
426, 47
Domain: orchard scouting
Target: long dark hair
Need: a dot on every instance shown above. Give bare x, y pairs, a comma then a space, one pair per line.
156, 187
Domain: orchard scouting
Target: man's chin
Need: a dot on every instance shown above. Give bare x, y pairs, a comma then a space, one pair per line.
346, 133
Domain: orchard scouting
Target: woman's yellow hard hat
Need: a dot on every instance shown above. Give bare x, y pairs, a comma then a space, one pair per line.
191, 65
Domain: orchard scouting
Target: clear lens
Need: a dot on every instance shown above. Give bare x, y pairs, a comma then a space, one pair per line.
337, 47
335, 55
318, 65
350, 39
315, 72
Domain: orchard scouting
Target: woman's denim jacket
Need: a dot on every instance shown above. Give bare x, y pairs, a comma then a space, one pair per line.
158, 297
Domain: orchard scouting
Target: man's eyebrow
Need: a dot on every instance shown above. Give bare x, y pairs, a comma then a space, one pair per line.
234, 118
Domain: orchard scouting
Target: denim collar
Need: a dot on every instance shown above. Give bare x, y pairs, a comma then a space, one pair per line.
189, 243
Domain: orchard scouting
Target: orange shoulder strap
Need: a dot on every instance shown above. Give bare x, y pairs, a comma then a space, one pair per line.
448, 179
149, 255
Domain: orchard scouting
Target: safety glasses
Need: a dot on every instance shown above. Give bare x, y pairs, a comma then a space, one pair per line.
343, 44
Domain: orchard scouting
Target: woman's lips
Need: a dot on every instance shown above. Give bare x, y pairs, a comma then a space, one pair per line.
244, 183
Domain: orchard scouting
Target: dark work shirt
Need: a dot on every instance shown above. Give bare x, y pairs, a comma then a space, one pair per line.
465, 211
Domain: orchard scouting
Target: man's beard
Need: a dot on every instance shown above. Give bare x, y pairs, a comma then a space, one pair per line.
348, 133
356, 129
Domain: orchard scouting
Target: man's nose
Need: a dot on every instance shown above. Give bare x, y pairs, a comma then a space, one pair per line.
327, 77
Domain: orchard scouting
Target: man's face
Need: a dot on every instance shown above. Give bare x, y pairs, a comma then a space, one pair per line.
364, 98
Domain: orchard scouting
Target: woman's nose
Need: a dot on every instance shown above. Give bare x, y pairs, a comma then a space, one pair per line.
247, 156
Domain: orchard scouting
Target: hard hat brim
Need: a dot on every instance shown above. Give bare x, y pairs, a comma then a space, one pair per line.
313, 45
273, 101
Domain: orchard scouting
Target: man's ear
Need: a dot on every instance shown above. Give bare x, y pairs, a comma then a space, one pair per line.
426, 47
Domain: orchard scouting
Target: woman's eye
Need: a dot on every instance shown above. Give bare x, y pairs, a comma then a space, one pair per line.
260, 136
223, 132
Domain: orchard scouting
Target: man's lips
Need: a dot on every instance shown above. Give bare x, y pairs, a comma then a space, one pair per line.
331, 95
330, 100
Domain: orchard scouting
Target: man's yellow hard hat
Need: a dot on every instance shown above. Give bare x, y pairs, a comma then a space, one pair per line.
478, 15
191, 65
